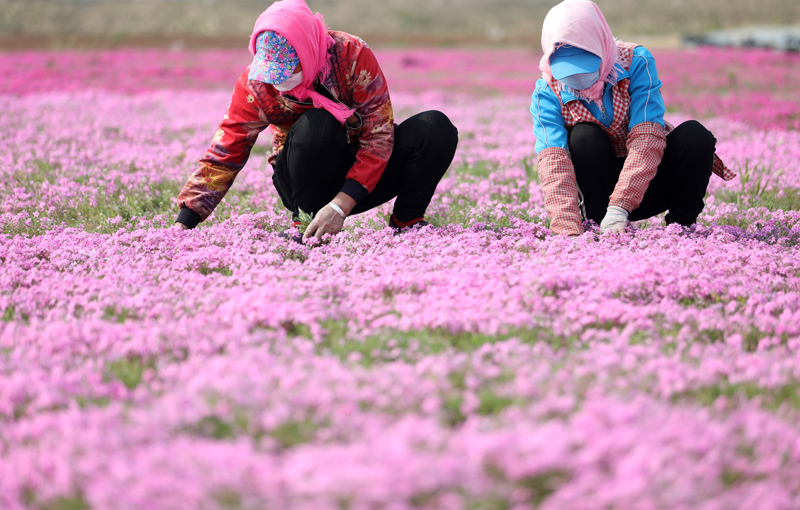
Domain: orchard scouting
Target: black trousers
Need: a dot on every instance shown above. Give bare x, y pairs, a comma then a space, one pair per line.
678, 187
312, 167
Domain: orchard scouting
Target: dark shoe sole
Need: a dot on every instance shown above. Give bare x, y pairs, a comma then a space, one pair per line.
290, 237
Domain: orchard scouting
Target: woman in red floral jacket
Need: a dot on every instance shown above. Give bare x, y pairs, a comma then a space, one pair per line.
336, 149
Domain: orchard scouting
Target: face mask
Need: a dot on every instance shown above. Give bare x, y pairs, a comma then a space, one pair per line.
581, 81
291, 82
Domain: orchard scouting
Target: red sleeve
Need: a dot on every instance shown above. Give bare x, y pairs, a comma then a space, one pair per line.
228, 153
560, 187
646, 144
371, 101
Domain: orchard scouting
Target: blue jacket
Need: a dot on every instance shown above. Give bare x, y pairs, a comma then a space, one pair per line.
647, 105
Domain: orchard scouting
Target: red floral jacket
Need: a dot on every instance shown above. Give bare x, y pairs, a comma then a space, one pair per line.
355, 79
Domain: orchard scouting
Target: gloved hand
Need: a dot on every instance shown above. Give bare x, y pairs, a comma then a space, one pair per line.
615, 220
326, 221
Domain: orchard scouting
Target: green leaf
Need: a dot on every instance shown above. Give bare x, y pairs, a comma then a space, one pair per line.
305, 220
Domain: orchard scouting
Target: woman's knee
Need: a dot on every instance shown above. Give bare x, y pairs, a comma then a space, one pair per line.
587, 139
435, 127
439, 122
694, 136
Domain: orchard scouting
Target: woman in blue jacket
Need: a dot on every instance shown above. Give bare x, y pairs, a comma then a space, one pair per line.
605, 152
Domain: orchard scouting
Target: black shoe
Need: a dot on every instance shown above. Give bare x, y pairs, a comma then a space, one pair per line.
292, 234
417, 225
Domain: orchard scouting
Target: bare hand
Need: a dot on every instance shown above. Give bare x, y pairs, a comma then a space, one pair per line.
179, 226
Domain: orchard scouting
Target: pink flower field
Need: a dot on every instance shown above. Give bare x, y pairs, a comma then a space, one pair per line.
484, 365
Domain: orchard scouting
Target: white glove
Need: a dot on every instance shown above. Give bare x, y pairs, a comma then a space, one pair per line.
615, 220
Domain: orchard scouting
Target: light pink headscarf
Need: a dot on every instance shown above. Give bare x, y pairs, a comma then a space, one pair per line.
308, 34
580, 23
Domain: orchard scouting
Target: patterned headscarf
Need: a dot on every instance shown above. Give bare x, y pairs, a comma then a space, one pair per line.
275, 59
307, 33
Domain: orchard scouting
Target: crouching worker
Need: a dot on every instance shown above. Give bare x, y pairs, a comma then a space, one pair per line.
336, 149
604, 151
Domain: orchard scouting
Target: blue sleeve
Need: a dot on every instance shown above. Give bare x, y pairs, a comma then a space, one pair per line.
647, 105
548, 123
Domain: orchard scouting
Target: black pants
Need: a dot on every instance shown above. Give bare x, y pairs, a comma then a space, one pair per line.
315, 159
679, 185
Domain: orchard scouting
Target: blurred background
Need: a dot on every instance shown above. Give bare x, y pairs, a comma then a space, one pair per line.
56, 24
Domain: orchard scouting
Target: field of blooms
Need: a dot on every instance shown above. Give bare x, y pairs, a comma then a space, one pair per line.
486, 365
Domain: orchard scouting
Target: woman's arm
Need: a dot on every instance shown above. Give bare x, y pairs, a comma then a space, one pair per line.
376, 141
647, 138
228, 153
556, 171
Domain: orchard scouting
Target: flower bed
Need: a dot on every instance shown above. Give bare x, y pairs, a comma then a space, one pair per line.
484, 364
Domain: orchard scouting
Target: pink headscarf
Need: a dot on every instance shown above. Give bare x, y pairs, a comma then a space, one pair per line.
580, 23
307, 33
